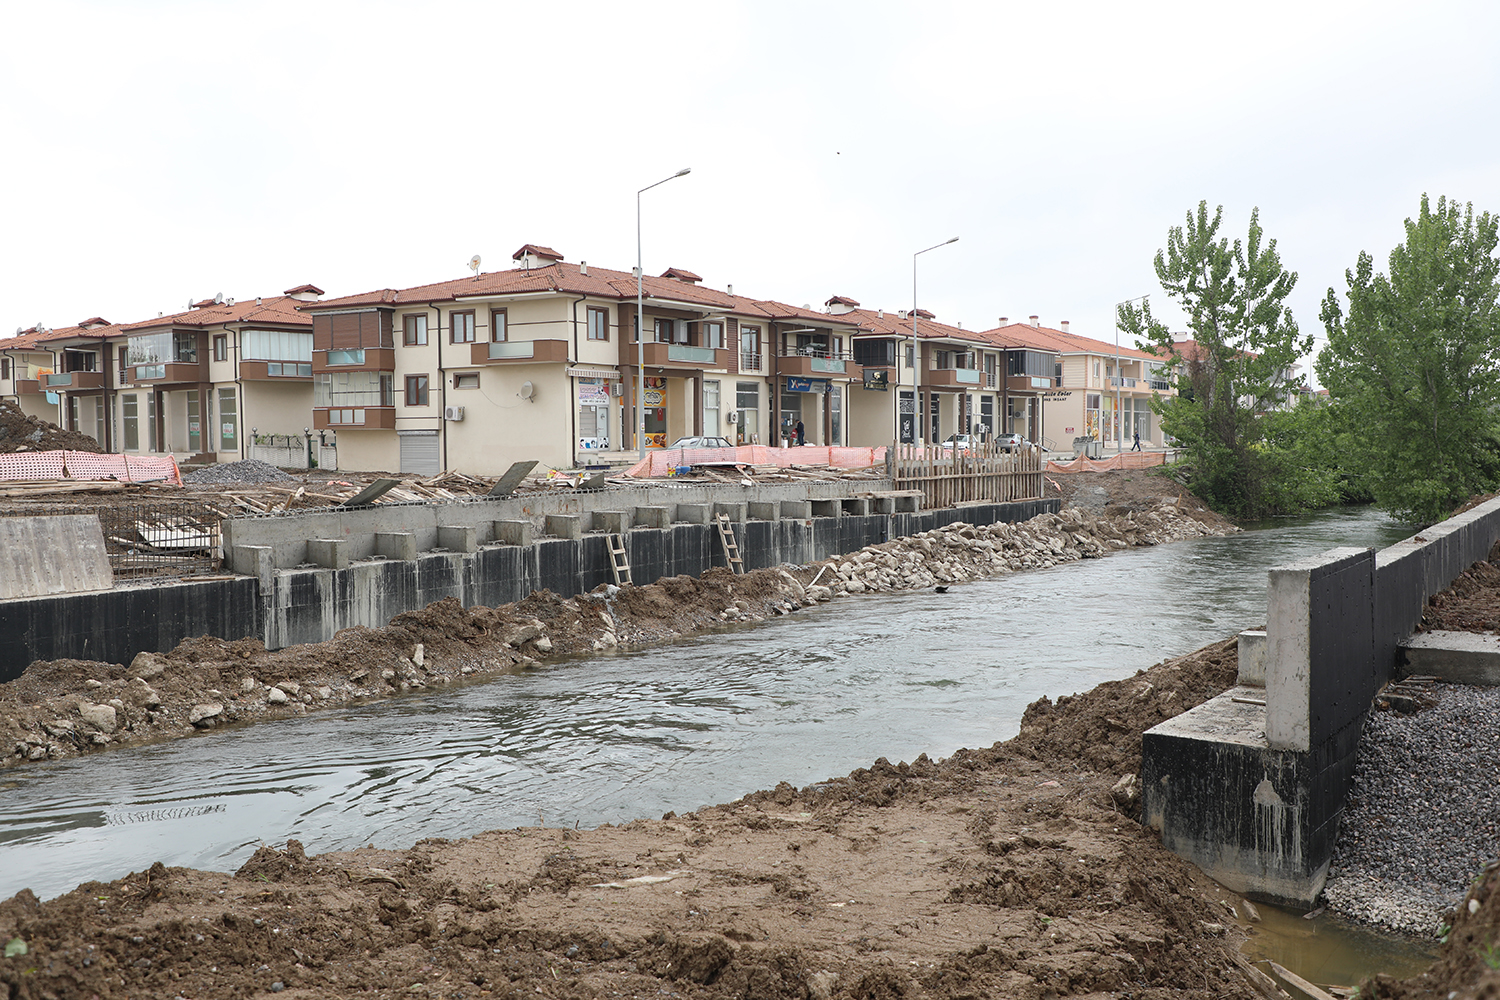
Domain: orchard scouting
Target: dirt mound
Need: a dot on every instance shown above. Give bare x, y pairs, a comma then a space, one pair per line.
20, 431
1469, 604
1121, 491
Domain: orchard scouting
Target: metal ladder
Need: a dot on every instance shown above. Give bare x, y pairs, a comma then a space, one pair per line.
731, 547
618, 562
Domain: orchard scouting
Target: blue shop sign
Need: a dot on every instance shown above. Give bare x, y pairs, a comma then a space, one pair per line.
796, 383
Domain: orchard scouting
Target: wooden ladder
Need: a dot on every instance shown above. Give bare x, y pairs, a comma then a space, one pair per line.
731, 547
618, 562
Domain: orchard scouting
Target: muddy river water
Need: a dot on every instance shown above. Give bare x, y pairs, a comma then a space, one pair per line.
612, 738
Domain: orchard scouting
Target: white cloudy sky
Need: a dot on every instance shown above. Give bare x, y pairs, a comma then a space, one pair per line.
160, 151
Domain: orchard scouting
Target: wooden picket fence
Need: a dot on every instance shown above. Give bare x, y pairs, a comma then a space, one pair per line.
947, 477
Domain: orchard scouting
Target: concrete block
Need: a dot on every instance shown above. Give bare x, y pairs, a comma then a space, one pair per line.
763, 510
62, 554
330, 553
856, 506
458, 537
1456, 657
611, 522
254, 560
513, 532
907, 503
650, 517
564, 525
396, 545
796, 510
1252, 659
691, 513
826, 508
735, 511
882, 505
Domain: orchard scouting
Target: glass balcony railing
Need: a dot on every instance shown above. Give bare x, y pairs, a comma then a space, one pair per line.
686, 352
512, 349
65, 378
831, 366
150, 371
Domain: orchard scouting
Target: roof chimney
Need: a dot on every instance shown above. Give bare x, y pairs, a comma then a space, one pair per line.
583, 268
1033, 320
1063, 326
1005, 321
729, 289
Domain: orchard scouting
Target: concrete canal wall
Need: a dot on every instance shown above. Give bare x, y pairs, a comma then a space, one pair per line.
301, 578
1250, 786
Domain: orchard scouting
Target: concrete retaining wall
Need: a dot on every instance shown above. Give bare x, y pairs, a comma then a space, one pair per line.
61, 554
1251, 785
283, 605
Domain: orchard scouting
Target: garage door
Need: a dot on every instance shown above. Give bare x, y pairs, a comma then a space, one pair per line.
419, 453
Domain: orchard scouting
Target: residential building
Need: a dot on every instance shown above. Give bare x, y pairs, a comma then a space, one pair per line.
1099, 390
25, 362
542, 362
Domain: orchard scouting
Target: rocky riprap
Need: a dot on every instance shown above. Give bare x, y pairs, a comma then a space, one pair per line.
1423, 818
251, 470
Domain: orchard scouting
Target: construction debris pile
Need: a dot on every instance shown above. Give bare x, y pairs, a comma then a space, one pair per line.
20, 431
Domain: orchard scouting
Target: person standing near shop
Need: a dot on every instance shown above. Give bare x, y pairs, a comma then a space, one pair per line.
801, 434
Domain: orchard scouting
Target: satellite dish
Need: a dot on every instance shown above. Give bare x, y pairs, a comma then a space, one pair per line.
474, 264
219, 299
527, 390
190, 302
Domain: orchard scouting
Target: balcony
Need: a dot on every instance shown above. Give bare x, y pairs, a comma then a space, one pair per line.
817, 366
173, 373
66, 381
1027, 383
1116, 382
1158, 385
29, 386
372, 359
527, 352
954, 378
750, 361
276, 371
682, 356
354, 418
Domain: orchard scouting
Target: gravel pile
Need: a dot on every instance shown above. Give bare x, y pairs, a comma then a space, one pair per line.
249, 471
1424, 816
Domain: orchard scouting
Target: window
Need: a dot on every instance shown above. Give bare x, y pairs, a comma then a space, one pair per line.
750, 348
497, 326
598, 323
713, 335
711, 407
943, 360
351, 357
466, 380
461, 327
747, 411
228, 421
4, 367
663, 328
353, 389
416, 387
122, 368
911, 356
221, 347
130, 417
414, 329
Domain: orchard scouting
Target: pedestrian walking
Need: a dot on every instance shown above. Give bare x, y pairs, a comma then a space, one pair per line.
1137, 441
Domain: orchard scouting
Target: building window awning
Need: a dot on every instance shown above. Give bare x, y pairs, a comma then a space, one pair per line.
605, 373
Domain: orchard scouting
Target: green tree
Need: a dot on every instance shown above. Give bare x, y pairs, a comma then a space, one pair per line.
1415, 364
1240, 363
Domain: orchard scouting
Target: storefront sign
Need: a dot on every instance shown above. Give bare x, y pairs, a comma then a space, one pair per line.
653, 397
796, 383
593, 394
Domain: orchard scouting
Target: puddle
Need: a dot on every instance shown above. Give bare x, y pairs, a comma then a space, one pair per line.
1330, 951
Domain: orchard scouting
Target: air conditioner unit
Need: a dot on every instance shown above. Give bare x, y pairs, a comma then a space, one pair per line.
733, 416
454, 413
617, 388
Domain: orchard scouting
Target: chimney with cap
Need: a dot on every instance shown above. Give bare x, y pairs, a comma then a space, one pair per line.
1033, 320
1063, 326
1005, 321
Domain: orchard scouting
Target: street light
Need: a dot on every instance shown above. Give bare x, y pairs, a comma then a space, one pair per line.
916, 404
640, 321
1120, 379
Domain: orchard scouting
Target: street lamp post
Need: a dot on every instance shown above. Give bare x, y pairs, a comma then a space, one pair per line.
916, 403
640, 321
1120, 378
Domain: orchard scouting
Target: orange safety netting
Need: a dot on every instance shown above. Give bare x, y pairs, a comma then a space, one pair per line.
664, 461
89, 466
1124, 460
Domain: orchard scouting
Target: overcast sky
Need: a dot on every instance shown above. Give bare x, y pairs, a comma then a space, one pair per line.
156, 152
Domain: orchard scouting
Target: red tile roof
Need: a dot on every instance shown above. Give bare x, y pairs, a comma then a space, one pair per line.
681, 275
314, 289
895, 325
839, 300
1045, 338
280, 310
546, 253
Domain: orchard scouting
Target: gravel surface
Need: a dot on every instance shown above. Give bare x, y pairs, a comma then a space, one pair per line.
1423, 817
249, 471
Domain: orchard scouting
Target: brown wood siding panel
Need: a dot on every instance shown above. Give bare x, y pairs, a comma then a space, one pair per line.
732, 342
345, 332
322, 333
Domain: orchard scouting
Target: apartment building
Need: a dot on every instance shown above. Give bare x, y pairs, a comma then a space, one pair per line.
189, 384
542, 361
1099, 390
927, 380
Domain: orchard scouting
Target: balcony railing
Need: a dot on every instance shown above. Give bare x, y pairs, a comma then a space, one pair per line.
990, 379
1160, 385
63, 379
686, 352
511, 349
1117, 382
749, 361
963, 376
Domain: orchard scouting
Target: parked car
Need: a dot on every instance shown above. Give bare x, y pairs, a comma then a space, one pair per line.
701, 441
1009, 442
959, 442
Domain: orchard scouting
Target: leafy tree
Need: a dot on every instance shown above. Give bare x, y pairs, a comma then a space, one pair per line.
1239, 364
1415, 364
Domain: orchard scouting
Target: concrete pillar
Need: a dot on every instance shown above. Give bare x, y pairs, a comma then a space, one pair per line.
458, 537
691, 513
396, 545
650, 517
1252, 659
763, 510
796, 510
826, 508
513, 532
611, 522
256, 561
330, 553
564, 525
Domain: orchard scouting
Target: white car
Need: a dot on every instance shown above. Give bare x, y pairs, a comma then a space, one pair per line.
701, 441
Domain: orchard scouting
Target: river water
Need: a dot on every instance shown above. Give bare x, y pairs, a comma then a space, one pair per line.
634, 734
